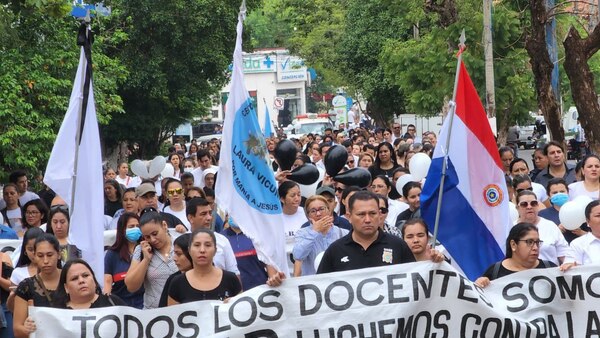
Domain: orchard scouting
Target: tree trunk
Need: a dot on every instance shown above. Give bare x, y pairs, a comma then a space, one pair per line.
577, 53
502, 125
542, 68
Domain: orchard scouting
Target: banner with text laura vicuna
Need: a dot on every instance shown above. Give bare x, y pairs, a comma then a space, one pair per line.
409, 300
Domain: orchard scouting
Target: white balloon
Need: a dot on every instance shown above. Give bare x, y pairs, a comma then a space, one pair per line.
157, 166
514, 214
402, 180
583, 200
168, 171
572, 215
419, 166
318, 260
139, 168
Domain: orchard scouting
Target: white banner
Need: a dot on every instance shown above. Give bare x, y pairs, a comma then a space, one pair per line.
408, 300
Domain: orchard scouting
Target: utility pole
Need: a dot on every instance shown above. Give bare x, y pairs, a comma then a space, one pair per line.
490, 92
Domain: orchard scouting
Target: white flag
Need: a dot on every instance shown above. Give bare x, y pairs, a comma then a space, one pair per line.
86, 204
246, 187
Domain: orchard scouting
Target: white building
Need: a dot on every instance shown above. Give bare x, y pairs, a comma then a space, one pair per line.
273, 78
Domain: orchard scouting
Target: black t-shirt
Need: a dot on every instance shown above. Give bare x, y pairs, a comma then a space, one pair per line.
182, 292
170, 219
164, 296
105, 301
502, 271
376, 171
345, 254
111, 207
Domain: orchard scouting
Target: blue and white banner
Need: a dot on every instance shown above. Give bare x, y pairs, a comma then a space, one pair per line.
246, 186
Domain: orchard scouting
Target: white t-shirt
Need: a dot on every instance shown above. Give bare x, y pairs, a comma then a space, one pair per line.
28, 196
19, 274
395, 209
577, 189
539, 191
128, 181
584, 250
180, 214
554, 244
14, 219
291, 224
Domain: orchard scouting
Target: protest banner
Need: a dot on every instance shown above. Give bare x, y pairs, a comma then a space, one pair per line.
421, 299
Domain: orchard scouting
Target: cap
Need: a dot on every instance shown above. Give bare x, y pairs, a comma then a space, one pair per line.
144, 188
325, 189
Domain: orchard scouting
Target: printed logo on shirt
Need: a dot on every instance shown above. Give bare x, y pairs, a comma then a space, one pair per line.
387, 255
245, 253
345, 259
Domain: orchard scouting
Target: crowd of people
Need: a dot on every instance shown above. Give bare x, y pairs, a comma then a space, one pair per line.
175, 245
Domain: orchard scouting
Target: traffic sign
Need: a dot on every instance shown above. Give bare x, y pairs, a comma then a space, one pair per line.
278, 103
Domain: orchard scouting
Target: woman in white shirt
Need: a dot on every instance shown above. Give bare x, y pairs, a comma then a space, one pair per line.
590, 185
586, 249
176, 204
293, 213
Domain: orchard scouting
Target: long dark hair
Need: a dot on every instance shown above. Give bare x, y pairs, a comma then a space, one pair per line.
121, 242
61, 298
183, 242
117, 187
390, 147
30, 234
42, 208
53, 211
53, 241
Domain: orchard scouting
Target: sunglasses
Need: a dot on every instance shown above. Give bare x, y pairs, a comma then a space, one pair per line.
525, 204
59, 207
177, 191
383, 210
338, 189
351, 161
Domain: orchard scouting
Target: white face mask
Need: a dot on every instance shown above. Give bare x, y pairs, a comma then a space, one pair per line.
188, 170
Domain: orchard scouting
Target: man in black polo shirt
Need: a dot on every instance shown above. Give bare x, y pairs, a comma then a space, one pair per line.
366, 245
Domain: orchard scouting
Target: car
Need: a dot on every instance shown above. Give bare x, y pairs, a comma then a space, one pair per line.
309, 124
527, 137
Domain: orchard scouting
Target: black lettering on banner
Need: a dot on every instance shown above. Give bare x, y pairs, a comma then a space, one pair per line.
417, 280
588, 285
274, 304
160, 319
83, 320
140, 328
552, 329
464, 323
253, 313
381, 328
372, 333
318, 299
427, 318
511, 329
359, 292
464, 285
488, 331
447, 275
482, 296
593, 324
392, 287
533, 292
102, 320
569, 323
405, 326
571, 292
540, 324
265, 333
518, 296
218, 327
191, 325
439, 324
349, 301
348, 328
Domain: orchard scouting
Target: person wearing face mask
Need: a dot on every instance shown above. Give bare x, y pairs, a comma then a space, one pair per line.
559, 195
118, 259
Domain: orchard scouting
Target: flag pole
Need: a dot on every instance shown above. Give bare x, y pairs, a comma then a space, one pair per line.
84, 39
461, 48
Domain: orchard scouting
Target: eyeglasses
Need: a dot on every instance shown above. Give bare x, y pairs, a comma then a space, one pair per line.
383, 210
59, 207
530, 242
177, 191
529, 189
316, 210
381, 186
32, 213
349, 161
525, 204
396, 127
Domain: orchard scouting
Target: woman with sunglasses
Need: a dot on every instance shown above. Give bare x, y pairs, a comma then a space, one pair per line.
555, 246
117, 260
152, 261
176, 203
523, 246
314, 239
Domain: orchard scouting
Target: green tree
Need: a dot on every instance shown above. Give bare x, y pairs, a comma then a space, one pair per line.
39, 57
176, 53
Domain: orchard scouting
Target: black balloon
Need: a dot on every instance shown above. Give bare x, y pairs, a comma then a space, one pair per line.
357, 176
305, 174
335, 160
285, 154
